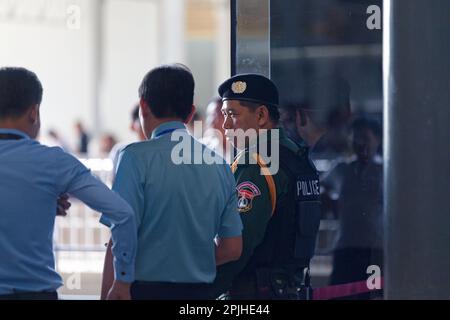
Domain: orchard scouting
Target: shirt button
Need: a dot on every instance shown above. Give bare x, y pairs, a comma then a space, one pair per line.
123, 273
124, 254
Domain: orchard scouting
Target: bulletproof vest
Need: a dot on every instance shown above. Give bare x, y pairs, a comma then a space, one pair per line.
290, 237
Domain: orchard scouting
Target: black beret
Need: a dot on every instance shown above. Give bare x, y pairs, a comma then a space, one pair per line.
250, 87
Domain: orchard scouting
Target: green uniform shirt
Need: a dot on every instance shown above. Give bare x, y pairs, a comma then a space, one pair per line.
255, 207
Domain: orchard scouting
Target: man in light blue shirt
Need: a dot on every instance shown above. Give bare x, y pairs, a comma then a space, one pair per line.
180, 207
32, 178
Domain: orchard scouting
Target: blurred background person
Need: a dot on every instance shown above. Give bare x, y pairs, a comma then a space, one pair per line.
53, 139
288, 114
136, 128
135, 125
322, 116
214, 135
82, 139
107, 143
358, 185
322, 113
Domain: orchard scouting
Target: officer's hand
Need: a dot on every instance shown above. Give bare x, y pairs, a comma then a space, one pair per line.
63, 205
119, 291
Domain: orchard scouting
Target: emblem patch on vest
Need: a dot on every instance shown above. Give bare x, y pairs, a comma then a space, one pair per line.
247, 191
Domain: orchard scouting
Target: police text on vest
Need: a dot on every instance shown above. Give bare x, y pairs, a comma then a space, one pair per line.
307, 188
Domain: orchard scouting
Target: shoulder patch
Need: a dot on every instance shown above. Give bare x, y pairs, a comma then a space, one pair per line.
247, 191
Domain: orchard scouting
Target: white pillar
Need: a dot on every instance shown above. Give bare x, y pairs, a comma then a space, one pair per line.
172, 26
94, 22
223, 38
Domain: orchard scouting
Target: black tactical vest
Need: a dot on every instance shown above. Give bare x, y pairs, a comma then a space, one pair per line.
290, 238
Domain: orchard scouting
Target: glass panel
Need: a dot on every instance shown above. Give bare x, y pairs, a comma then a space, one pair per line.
327, 64
252, 36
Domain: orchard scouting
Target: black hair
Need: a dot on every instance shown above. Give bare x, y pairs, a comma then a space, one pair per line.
325, 98
274, 113
169, 91
364, 123
135, 113
20, 89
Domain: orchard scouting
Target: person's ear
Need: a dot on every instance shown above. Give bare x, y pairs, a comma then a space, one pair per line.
191, 115
263, 116
33, 114
144, 109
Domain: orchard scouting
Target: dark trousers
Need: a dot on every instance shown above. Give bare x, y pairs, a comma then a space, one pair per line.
141, 290
30, 296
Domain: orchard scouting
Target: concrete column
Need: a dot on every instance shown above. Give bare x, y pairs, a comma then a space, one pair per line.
417, 149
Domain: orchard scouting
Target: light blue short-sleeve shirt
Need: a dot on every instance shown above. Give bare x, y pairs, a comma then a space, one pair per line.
180, 208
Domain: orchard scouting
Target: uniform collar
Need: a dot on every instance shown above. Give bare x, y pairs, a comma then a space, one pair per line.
167, 127
14, 131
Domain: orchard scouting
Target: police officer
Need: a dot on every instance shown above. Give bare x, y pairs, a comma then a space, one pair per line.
280, 210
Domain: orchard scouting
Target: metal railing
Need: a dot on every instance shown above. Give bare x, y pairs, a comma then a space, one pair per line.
80, 230
79, 238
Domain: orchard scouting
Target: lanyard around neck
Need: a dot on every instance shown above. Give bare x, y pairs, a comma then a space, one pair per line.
10, 136
163, 133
